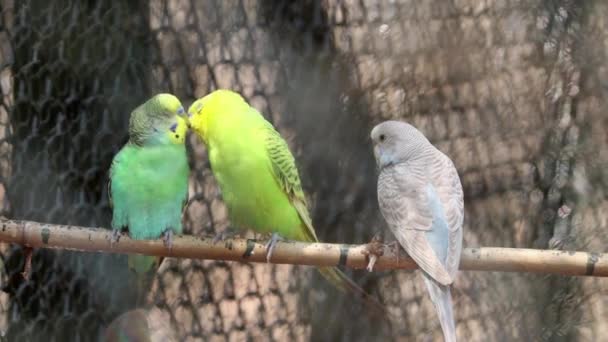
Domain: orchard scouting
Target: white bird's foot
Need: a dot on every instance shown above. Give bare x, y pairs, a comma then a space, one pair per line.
394, 245
270, 245
115, 237
168, 238
396, 248
373, 250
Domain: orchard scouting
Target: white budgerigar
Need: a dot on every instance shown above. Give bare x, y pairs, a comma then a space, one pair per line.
421, 199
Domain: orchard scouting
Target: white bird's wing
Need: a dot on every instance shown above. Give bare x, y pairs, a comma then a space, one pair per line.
406, 206
446, 182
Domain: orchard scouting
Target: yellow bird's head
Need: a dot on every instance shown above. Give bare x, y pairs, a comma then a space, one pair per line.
209, 108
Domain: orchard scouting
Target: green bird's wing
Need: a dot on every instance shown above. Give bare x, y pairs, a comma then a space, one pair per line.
286, 173
109, 185
143, 266
186, 202
109, 188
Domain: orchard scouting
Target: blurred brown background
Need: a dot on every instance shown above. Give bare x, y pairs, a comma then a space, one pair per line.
513, 91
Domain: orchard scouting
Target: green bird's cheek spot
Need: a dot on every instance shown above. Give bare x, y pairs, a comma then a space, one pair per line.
45, 234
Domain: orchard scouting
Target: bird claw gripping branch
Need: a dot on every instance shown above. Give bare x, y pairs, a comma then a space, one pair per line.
373, 250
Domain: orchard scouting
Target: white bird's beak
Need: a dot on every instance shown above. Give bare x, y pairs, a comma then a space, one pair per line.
377, 155
383, 158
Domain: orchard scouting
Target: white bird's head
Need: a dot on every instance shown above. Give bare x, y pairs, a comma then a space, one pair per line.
397, 142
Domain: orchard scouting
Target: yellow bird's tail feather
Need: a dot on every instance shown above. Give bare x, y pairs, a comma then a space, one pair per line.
341, 281
333, 274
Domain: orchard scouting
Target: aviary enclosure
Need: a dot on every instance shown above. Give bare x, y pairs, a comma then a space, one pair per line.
513, 91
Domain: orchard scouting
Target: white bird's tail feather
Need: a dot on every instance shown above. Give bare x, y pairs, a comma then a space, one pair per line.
442, 300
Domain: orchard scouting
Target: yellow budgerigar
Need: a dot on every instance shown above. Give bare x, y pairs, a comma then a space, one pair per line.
257, 175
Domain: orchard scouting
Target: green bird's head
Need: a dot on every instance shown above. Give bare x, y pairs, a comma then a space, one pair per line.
158, 121
204, 111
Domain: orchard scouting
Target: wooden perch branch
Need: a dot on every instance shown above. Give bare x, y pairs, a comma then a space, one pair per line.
40, 235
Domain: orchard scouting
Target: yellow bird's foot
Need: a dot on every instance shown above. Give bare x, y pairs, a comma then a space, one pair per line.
223, 235
373, 250
115, 237
168, 239
271, 245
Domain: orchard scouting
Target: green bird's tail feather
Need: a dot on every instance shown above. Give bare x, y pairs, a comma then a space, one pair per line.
132, 326
144, 268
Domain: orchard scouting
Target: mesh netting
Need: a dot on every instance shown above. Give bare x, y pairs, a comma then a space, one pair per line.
514, 92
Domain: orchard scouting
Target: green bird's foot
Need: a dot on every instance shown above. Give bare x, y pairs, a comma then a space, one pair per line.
115, 237
168, 239
271, 244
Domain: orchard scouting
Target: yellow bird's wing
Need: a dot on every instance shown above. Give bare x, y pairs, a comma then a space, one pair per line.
286, 173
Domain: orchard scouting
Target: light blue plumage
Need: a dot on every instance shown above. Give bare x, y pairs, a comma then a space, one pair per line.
437, 236
421, 199
149, 186
149, 175
149, 180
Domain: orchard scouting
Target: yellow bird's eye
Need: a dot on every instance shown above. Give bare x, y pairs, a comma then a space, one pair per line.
195, 109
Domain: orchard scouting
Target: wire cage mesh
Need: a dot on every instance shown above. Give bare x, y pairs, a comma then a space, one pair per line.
514, 92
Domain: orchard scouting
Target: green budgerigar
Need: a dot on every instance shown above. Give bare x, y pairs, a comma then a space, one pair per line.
149, 177
257, 174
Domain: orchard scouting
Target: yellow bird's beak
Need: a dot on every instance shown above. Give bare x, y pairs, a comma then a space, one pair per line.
195, 119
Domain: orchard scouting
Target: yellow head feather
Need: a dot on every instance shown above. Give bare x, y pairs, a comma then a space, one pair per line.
210, 107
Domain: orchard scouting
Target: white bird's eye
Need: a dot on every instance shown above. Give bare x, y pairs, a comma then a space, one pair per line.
382, 137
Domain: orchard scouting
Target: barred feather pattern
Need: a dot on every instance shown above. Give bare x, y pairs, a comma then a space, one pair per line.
286, 172
421, 199
405, 206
